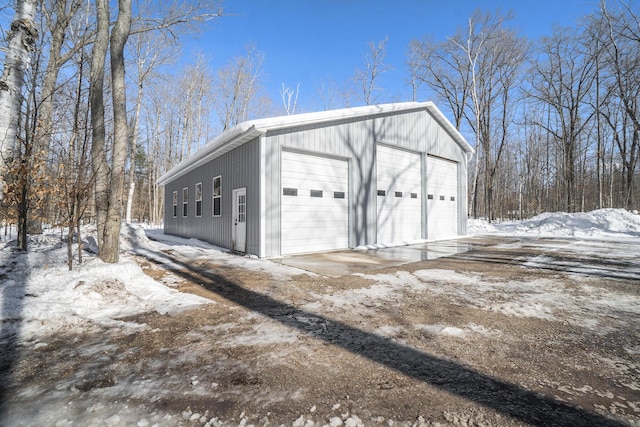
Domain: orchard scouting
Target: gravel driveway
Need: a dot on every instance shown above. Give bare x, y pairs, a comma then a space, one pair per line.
512, 332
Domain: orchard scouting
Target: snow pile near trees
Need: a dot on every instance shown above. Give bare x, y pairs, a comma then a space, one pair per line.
602, 224
40, 296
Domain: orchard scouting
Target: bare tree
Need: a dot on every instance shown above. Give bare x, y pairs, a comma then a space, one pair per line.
476, 73
289, 101
109, 183
414, 68
328, 93
58, 16
193, 100
239, 89
149, 52
563, 78
21, 39
109, 252
620, 40
99, 165
446, 70
367, 79
73, 171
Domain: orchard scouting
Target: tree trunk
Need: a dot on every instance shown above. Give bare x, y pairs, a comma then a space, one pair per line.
71, 228
22, 38
111, 245
132, 162
99, 165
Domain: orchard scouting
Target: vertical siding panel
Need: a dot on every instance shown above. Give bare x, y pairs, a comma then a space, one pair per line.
239, 168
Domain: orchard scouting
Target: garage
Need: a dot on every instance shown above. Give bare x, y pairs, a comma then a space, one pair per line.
442, 198
315, 203
323, 181
399, 195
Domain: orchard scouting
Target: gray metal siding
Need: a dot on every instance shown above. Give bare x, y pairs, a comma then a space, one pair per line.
238, 168
356, 140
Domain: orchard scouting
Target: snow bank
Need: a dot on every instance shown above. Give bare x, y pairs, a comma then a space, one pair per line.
40, 296
602, 223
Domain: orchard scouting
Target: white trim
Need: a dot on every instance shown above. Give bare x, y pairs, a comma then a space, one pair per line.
235, 220
175, 204
185, 202
262, 216
214, 197
196, 199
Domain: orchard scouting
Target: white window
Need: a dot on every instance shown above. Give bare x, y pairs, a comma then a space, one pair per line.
217, 196
185, 201
199, 199
175, 204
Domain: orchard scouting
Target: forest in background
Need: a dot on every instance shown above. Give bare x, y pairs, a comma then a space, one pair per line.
554, 121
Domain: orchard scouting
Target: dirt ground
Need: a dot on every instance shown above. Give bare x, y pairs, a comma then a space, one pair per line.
274, 350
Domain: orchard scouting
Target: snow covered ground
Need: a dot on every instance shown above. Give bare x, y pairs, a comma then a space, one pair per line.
40, 298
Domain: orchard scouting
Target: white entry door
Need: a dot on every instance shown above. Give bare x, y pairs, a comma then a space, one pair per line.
239, 231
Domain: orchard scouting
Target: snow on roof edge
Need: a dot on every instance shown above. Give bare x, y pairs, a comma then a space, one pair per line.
252, 128
240, 132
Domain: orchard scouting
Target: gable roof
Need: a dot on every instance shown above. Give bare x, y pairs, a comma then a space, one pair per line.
246, 131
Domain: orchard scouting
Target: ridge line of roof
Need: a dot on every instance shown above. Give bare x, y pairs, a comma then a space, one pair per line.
257, 127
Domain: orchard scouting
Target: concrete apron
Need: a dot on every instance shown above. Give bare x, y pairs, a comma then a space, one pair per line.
340, 263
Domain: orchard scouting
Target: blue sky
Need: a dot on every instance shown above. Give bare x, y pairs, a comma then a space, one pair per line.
306, 41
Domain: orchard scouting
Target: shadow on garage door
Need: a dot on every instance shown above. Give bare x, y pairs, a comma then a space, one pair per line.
340, 263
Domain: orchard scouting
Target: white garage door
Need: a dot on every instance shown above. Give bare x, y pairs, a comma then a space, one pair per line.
442, 198
399, 195
315, 203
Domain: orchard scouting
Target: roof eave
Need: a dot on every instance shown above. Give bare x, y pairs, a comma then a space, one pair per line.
456, 135
217, 147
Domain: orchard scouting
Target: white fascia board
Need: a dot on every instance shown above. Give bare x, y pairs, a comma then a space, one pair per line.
457, 136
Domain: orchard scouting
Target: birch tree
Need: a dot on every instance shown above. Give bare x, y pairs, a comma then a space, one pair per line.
289, 98
22, 38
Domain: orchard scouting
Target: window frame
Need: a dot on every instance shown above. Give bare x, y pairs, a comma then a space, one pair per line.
198, 198
217, 196
185, 202
175, 204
